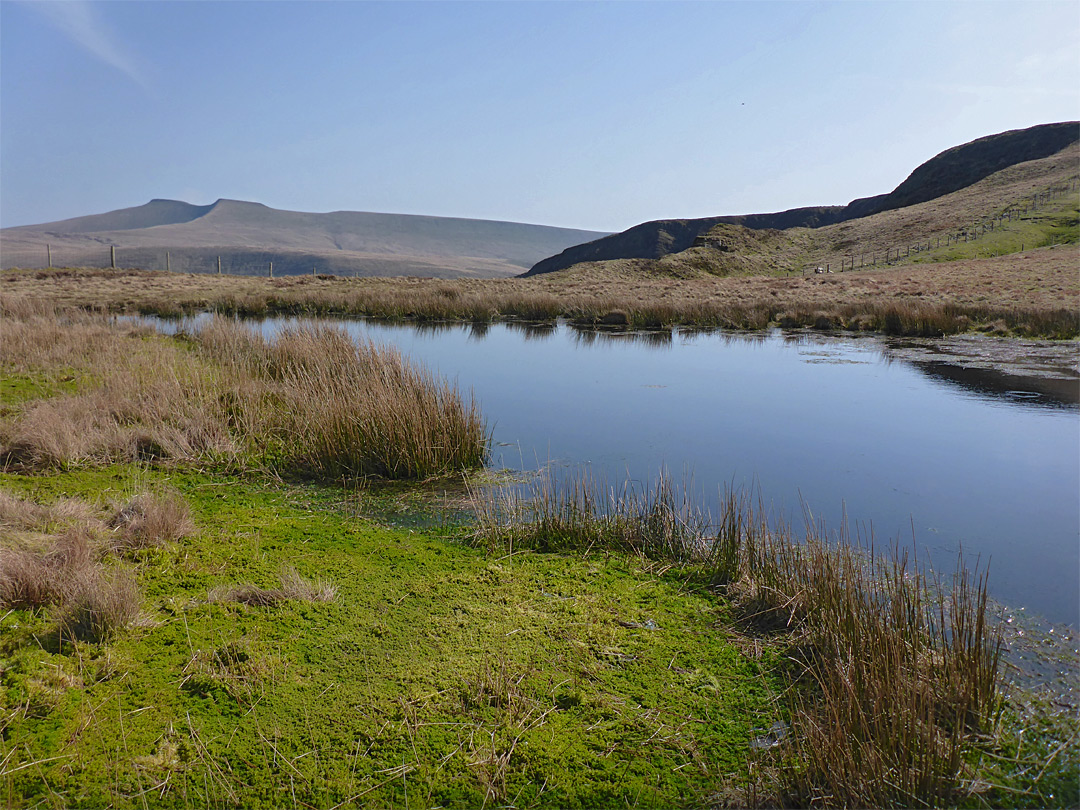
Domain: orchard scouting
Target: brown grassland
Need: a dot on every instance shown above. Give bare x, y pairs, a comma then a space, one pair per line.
1033, 293
999, 256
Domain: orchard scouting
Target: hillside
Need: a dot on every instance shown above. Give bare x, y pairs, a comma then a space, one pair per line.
951, 171
248, 236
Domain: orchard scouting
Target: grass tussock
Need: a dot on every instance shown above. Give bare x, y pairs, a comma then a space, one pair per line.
150, 520
293, 588
583, 514
63, 557
334, 407
311, 402
99, 603
91, 601
1032, 293
896, 673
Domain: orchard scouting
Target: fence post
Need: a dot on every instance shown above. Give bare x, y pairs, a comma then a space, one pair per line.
219, 265
112, 256
313, 270
271, 269
168, 264
48, 251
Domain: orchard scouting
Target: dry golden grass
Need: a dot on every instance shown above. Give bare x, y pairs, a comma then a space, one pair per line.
1035, 292
312, 402
58, 556
63, 555
150, 520
294, 587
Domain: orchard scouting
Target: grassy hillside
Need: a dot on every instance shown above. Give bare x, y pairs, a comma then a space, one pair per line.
1025, 206
248, 236
941, 177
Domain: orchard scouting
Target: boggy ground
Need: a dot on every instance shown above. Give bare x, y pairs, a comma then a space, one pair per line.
437, 675
195, 613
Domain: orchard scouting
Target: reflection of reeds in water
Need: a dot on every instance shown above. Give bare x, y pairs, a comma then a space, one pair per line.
1030, 294
591, 335
531, 330
895, 675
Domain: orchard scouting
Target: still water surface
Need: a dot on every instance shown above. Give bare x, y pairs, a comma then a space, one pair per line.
929, 453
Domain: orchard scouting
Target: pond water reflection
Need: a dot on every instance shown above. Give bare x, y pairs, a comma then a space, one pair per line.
934, 454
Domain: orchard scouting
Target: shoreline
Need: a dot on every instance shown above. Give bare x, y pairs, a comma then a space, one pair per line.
1033, 294
555, 617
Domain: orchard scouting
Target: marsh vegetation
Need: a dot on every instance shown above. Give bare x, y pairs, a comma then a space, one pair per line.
311, 403
181, 501
1029, 294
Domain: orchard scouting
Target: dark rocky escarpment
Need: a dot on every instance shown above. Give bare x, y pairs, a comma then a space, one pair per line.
951, 170
969, 163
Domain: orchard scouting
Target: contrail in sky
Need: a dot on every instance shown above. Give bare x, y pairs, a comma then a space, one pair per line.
80, 22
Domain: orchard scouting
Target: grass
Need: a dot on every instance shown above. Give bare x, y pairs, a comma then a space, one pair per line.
437, 673
899, 675
592, 646
293, 586
65, 556
1032, 293
313, 403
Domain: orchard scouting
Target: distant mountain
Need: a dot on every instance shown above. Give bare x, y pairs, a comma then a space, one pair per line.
952, 170
247, 236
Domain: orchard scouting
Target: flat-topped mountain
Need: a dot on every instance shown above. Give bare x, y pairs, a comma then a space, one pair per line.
247, 236
950, 171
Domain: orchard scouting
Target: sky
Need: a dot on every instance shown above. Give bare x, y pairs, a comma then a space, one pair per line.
594, 115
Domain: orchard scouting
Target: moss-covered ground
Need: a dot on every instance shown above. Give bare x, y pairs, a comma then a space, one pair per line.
438, 676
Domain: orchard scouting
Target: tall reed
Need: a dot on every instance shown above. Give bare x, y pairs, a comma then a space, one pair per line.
896, 674
319, 402
581, 513
311, 401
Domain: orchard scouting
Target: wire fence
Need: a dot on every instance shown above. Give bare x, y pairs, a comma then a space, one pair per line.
253, 262
1022, 209
179, 260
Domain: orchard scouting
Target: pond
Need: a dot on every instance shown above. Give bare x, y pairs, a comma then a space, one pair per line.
969, 443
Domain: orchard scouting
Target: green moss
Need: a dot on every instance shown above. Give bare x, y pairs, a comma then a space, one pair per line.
437, 674
17, 388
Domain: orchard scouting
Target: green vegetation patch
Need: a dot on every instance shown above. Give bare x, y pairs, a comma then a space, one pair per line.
1054, 224
436, 674
16, 389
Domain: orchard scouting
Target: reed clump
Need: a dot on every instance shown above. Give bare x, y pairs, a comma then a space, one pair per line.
150, 520
583, 514
894, 673
319, 402
293, 587
312, 402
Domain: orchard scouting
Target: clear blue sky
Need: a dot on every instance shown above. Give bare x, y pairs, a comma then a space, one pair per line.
589, 115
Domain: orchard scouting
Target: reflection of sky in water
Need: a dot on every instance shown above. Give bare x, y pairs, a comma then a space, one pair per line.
822, 419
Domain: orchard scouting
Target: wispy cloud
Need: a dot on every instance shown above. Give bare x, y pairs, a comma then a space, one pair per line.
80, 22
